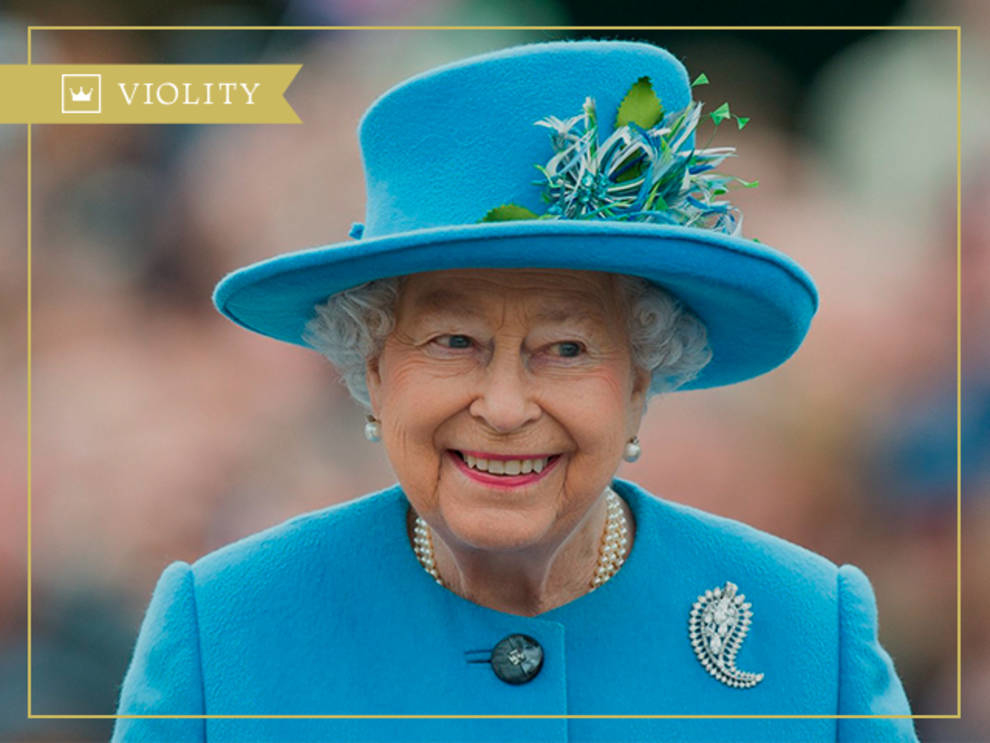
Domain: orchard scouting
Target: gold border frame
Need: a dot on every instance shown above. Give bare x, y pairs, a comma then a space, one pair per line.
957, 29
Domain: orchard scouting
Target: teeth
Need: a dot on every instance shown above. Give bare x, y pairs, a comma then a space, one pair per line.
506, 466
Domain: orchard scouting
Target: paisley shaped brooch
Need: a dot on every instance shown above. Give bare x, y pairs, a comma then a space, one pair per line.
719, 622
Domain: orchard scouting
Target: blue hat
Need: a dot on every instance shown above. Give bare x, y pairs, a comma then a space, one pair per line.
617, 186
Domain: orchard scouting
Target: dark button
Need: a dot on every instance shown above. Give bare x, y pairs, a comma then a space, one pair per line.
517, 659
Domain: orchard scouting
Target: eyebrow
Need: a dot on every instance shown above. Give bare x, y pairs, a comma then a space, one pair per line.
447, 302
452, 302
568, 311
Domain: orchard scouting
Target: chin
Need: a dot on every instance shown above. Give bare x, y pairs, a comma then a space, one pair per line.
498, 528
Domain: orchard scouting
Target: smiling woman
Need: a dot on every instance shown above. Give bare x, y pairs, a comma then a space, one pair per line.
506, 359
523, 358
513, 366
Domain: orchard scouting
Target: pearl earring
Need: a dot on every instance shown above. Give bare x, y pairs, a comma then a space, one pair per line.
373, 430
632, 451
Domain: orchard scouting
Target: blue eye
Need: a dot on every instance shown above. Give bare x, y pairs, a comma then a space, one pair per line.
455, 341
569, 349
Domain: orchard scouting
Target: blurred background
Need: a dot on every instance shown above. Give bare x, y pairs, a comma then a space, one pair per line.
161, 431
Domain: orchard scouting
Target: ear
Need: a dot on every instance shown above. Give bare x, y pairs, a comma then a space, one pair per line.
373, 381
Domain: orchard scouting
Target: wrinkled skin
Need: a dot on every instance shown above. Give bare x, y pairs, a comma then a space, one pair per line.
520, 362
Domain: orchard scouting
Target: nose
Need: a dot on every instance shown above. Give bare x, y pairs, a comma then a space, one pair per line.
505, 400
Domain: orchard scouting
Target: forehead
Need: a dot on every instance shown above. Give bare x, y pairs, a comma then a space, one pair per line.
541, 293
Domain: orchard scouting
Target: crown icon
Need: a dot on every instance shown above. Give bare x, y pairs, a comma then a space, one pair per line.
81, 100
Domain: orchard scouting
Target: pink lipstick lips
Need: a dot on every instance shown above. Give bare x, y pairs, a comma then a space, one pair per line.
508, 468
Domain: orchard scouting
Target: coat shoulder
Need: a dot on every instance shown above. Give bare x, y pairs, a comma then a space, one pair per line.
726, 547
302, 547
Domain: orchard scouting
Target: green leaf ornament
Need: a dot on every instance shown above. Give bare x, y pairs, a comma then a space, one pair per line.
508, 213
720, 114
640, 106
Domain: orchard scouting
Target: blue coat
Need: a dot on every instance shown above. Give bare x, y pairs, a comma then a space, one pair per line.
331, 614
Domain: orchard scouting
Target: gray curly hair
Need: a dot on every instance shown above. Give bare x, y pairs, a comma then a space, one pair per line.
667, 339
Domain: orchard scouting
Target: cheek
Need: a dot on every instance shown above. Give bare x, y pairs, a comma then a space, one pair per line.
594, 415
603, 394
414, 407
595, 411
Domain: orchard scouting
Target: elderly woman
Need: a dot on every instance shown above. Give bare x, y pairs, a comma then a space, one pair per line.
505, 335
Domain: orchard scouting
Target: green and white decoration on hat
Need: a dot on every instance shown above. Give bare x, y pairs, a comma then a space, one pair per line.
644, 171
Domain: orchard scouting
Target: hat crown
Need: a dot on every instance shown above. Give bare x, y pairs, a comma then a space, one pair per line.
445, 147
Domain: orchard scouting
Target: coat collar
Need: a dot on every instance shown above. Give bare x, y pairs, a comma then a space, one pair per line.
622, 589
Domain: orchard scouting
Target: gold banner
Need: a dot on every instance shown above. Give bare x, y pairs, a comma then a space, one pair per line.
146, 94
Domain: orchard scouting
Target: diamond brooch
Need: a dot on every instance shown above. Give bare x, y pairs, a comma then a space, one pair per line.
720, 620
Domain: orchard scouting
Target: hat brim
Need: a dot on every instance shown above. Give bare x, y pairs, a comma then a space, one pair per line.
756, 303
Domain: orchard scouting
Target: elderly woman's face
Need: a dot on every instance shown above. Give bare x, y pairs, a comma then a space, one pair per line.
506, 398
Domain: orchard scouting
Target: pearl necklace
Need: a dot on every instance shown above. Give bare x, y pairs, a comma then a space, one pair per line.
611, 552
